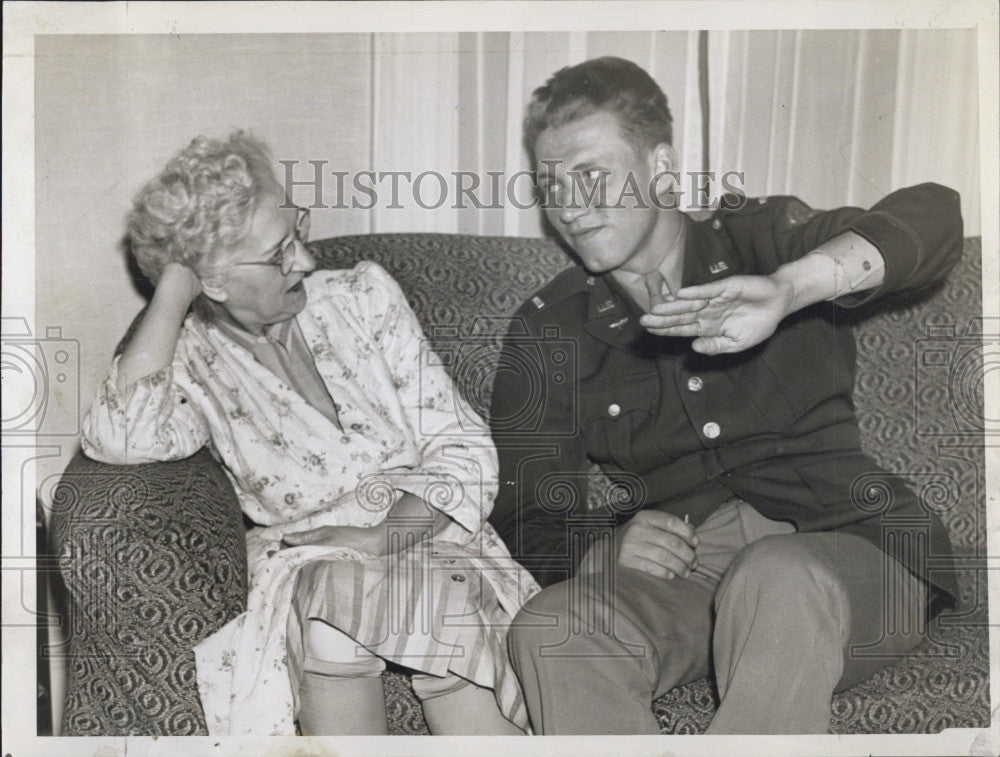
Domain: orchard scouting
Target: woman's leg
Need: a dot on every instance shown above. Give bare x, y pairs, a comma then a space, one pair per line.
341, 692
456, 707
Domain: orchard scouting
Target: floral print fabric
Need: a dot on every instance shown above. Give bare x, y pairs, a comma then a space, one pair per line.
405, 428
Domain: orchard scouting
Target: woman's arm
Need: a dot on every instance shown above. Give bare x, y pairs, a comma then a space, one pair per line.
152, 346
410, 521
457, 474
140, 415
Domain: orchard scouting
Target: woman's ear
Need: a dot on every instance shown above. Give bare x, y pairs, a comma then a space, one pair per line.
213, 290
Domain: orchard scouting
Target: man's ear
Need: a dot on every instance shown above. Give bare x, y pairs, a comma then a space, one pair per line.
665, 157
665, 169
213, 290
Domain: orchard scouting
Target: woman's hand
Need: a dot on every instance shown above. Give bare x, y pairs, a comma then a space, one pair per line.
409, 521
180, 283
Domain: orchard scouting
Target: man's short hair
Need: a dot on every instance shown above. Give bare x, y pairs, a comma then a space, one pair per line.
609, 84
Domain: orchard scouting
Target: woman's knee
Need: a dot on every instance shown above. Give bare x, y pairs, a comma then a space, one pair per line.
330, 652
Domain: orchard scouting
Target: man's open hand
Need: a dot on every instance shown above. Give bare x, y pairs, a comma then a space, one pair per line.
725, 316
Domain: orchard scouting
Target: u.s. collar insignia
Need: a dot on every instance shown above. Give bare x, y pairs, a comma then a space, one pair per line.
618, 324
605, 306
718, 267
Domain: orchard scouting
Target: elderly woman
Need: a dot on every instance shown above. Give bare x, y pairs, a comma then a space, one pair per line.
345, 448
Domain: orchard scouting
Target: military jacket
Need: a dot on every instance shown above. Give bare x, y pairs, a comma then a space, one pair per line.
580, 381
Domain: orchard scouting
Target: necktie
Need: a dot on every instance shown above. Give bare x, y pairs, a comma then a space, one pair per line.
656, 288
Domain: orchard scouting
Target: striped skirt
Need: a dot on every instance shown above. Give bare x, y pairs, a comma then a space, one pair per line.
431, 613
441, 612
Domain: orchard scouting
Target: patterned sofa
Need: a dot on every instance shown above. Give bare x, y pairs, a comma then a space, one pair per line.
153, 557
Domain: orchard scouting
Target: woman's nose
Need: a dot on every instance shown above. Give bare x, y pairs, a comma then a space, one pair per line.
303, 262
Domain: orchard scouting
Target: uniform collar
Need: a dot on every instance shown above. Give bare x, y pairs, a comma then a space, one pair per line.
613, 316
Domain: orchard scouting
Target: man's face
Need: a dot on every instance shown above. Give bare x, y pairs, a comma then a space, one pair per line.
620, 227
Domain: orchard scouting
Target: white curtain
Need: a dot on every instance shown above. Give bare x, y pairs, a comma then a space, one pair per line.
844, 117
834, 116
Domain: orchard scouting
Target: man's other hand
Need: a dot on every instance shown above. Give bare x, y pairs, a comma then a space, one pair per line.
654, 542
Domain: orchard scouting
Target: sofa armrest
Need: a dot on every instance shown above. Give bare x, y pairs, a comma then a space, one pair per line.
153, 558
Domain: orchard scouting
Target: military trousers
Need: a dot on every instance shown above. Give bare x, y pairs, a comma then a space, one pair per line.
785, 619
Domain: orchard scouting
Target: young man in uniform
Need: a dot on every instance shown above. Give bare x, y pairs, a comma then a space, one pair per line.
703, 365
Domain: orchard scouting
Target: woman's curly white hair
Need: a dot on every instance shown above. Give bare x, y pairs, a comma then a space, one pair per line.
200, 205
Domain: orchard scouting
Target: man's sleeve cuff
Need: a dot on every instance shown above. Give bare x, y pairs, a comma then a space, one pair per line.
899, 246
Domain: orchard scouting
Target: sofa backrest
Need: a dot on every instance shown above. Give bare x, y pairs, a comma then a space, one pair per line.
919, 383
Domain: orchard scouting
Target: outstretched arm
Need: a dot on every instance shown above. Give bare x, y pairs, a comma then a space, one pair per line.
741, 311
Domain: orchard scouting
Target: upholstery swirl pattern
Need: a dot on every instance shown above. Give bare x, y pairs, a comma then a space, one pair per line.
154, 558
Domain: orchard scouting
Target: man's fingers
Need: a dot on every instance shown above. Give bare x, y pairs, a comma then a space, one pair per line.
702, 291
667, 523
671, 551
678, 307
692, 329
658, 320
714, 345
646, 565
655, 567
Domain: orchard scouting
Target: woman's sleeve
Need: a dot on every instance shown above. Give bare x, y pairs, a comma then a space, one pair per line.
458, 474
154, 419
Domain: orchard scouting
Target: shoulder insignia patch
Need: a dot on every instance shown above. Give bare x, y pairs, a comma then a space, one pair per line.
797, 212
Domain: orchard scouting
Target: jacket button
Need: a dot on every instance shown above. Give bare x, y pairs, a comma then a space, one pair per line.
458, 577
695, 384
716, 224
614, 410
711, 430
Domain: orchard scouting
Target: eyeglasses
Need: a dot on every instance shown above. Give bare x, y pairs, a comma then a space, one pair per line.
283, 256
